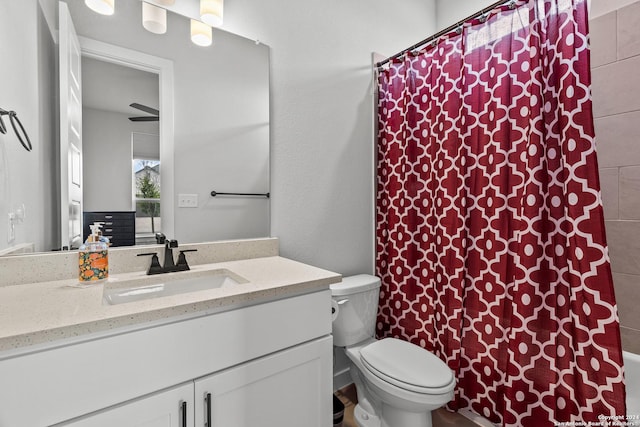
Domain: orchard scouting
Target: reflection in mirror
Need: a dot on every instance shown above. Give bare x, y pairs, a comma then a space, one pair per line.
121, 142
221, 124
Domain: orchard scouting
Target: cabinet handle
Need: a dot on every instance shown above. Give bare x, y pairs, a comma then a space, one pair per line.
184, 414
208, 400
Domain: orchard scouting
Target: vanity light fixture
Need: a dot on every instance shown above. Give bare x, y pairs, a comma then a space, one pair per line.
211, 12
103, 7
154, 18
201, 33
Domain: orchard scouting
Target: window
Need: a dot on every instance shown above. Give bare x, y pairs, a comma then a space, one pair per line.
146, 175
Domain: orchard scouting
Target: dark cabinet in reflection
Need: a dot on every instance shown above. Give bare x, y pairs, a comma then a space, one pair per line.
118, 226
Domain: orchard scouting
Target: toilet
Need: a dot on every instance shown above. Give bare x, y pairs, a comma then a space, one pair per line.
398, 383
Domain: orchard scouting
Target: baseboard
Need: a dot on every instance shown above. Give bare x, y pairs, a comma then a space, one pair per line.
341, 379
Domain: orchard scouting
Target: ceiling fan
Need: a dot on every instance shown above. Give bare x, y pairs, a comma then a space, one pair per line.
154, 118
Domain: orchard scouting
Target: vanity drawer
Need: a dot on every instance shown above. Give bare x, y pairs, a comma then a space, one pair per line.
119, 216
115, 228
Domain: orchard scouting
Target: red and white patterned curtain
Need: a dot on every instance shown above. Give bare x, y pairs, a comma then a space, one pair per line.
490, 233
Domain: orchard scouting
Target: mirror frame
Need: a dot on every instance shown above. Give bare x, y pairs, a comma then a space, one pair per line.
164, 68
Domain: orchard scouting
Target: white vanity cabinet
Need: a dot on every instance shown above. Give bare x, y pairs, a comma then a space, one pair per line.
267, 364
283, 389
170, 408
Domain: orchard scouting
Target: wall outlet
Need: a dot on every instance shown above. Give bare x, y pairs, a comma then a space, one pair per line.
187, 200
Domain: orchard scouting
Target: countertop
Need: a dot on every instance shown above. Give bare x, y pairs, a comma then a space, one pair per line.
52, 312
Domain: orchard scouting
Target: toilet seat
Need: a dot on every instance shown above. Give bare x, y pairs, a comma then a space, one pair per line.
407, 366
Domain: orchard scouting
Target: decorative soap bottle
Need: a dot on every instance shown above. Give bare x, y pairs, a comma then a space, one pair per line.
93, 258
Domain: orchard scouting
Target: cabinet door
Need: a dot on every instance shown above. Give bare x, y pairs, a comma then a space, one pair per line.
290, 388
170, 408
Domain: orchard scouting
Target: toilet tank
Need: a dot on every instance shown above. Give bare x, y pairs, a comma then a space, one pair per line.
355, 307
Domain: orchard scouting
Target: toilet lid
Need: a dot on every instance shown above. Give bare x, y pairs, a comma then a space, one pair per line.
405, 364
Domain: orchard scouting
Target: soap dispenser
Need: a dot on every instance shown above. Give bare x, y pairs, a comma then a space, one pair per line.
93, 258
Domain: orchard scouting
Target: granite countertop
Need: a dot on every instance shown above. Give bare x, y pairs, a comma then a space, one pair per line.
47, 312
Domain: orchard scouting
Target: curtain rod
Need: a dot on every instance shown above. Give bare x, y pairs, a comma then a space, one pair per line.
481, 12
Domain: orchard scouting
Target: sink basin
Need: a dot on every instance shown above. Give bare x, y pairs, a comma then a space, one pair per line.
159, 286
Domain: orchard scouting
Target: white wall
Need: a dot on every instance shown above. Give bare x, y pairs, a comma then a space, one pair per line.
27, 178
107, 161
451, 11
322, 116
47, 191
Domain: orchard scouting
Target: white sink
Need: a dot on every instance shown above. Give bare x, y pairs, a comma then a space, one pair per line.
159, 286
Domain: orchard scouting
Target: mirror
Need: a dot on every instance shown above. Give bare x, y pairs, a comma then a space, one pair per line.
220, 124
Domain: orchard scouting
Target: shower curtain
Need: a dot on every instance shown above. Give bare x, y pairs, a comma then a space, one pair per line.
490, 234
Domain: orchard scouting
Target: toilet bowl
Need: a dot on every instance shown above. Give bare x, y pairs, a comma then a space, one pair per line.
398, 383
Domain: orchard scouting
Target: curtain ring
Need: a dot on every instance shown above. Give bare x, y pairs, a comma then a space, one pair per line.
459, 29
483, 18
512, 4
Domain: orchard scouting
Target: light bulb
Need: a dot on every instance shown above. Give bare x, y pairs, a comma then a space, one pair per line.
103, 7
201, 33
211, 12
154, 18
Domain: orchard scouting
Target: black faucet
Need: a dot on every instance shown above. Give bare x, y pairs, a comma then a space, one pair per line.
168, 264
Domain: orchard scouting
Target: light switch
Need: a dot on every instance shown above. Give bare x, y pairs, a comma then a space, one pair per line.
187, 200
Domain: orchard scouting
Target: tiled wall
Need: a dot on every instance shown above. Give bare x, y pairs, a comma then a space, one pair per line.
615, 62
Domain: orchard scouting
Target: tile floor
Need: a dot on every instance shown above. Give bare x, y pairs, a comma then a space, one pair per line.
441, 417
